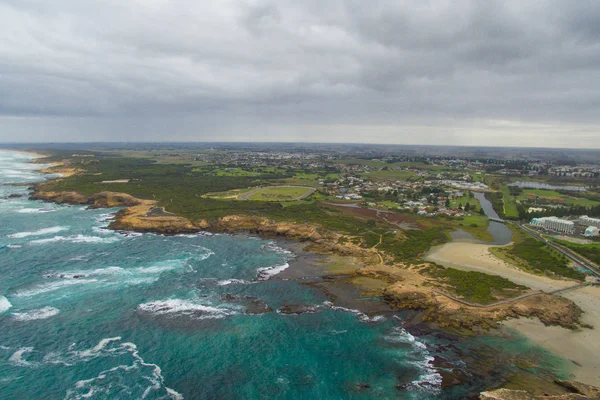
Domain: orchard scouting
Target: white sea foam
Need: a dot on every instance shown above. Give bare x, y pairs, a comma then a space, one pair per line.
188, 308
17, 357
102, 230
76, 239
35, 210
269, 272
228, 282
14, 246
272, 246
4, 304
52, 286
361, 315
39, 232
429, 379
102, 385
42, 313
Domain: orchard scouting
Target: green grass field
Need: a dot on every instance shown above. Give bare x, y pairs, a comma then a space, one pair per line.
552, 195
510, 206
279, 193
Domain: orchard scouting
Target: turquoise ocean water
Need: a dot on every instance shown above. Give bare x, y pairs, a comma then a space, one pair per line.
86, 312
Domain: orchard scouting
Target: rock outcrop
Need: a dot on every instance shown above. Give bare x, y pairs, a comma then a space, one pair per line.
577, 391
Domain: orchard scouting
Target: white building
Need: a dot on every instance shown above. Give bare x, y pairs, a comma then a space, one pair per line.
554, 224
591, 231
585, 220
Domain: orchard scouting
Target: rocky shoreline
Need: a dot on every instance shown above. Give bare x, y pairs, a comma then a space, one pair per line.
406, 286
403, 287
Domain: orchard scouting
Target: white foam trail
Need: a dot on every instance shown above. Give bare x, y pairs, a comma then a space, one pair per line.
269, 272
35, 210
14, 246
95, 351
102, 385
17, 357
361, 315
272, 246
4, 304
51, 287
42, 313
228, 282
76, 239
429, 379
39, 232
188, 308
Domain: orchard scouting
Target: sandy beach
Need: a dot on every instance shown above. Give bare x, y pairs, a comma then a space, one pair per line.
582, 347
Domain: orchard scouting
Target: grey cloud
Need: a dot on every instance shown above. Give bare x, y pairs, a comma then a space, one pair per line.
242, 67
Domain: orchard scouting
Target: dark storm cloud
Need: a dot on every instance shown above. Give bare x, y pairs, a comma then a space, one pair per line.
270, 69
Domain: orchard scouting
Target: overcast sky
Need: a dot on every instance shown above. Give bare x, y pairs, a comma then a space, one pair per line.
514, 73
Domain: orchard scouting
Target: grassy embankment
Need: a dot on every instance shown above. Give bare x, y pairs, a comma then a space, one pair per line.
474, 286
590, 251
536, 257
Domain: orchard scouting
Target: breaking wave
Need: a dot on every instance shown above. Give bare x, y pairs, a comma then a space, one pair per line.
35, 210
42, 313
52, 286
429, 378
76, 239
187, 308
39, 232
269, 272
4, 304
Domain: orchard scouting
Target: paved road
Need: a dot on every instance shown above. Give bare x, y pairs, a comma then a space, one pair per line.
565, 251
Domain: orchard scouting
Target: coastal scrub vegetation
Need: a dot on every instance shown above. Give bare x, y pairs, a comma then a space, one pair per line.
589, 251
475, 287
533, 255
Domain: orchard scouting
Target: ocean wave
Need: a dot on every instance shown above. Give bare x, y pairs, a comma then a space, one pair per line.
139, 379
39, 232
361, 315
269, 272
272, 246
429, 378
228, 282
42, 313
187, 308
13, 246
17, 357
76, 239
52, 286
4, 304
102, 230
35, 210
